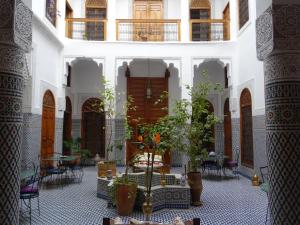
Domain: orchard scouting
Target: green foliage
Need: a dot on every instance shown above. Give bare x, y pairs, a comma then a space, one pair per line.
190, 125
75, 148
107, 106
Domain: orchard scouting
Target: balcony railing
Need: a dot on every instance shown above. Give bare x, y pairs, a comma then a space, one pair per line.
209, 30
148, 30
86, 29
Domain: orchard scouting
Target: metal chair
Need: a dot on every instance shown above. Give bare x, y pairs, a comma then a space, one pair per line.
233, 164
52, 167
264, 172
31, 191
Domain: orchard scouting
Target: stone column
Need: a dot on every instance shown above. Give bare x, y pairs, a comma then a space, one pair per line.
15, 40
278, 45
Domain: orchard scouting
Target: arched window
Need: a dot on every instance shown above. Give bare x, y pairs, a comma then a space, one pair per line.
246, 128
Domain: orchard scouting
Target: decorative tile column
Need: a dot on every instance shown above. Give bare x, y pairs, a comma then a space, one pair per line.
278, 45
15, 40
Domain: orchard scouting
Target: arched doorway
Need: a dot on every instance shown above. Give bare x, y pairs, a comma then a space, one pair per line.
246, 128
93, 127
227, 130
48, 125
67, 129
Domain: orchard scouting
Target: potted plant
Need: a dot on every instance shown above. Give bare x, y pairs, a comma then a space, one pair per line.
107, 106
75, 148
124, 191
191, 131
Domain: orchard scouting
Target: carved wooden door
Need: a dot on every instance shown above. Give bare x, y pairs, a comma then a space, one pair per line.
148, 10
145, 107
93, 127
48, 125
227, 130
67, 129
246, 128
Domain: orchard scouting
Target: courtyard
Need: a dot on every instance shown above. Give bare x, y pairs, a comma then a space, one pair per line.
226, 200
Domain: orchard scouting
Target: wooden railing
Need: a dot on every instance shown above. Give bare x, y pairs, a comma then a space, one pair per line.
147, 30
209, 30
86, 29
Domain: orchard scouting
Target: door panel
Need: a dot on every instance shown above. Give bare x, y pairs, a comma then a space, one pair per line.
227, 130
145, 10
48, 125
93, 124
136, 88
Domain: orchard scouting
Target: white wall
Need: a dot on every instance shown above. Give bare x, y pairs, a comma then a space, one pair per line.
123, 9
261, 6
250, 70
172, 9
86, 82
217, 8
47, 56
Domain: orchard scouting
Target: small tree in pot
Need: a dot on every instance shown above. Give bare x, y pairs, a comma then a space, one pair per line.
192, 124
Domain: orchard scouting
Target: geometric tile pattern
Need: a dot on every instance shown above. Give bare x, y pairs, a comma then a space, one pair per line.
59, 123
173, 195
227, 201
282, 93
31, 139
219, 138
15, 39
283, 136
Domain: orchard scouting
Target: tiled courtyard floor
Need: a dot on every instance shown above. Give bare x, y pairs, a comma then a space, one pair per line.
226, 201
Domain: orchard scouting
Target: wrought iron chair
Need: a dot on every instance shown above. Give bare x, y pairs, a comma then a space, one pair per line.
264, 172
233, 164
52, 166
30, 191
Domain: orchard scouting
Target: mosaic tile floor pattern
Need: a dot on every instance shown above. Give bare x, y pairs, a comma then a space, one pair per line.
227, 201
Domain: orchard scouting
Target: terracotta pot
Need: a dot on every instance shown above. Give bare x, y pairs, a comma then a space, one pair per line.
125, 198
195, 182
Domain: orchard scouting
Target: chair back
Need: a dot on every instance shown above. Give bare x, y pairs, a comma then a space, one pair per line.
264, 172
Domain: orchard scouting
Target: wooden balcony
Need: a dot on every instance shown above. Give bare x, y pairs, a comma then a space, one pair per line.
86, 29
209, 30
148, 30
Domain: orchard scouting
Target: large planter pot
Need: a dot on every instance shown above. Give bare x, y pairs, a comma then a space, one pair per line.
195, 182
125, 198
103, 166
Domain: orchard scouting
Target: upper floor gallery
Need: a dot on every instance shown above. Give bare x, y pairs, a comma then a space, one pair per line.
145, 20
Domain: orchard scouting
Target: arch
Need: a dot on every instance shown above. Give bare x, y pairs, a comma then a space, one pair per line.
227, 130
246, 132
67, 126
48, 125
93, 127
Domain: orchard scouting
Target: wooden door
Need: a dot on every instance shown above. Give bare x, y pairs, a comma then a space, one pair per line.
148, 10
93, 127
67, 129
246, 133
226, 28
145, 107
227, 130
48, 125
